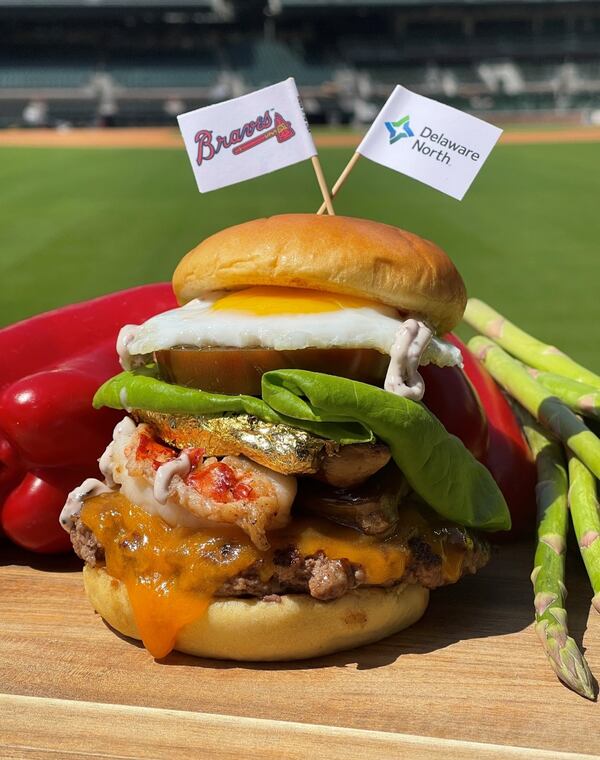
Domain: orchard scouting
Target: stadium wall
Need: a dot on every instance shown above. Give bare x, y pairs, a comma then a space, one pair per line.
141, 63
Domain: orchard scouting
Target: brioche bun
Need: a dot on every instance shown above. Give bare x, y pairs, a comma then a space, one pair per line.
339, 254
295, 628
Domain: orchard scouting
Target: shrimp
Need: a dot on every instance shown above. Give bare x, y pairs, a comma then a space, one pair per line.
238, 491
232, 490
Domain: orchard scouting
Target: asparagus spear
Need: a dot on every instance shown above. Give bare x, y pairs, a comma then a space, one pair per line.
579, 397
549, 565
525, 347
585, 513
545, 407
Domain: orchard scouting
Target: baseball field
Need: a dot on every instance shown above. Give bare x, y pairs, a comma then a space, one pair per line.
76, 222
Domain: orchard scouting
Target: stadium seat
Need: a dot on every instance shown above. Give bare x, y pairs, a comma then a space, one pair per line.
157, 75
346, 55
30, 76
263, 62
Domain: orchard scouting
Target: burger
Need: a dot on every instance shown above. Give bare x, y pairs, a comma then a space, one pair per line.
277, 489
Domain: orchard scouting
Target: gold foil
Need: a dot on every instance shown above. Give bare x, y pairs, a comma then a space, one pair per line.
280, 447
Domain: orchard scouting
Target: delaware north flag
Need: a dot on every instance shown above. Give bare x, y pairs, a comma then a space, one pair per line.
245, 137
429, 141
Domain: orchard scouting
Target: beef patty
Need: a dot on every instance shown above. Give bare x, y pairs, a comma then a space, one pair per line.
325, 578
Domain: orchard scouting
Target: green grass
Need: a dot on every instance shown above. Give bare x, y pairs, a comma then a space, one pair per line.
556, 125
78, 223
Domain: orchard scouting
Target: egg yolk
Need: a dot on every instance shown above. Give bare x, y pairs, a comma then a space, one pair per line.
265, 300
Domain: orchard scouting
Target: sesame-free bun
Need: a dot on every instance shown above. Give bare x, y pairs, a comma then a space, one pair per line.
339, 254
295, 628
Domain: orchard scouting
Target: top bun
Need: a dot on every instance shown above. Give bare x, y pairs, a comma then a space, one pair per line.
339, 254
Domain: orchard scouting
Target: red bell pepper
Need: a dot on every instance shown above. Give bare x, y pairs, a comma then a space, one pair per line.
11, 470
451, 397
52, 365
31, 511
11, 466
50, 339
508, 457
49, 417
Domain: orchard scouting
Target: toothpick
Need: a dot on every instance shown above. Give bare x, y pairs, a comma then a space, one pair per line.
327, 204
341, 179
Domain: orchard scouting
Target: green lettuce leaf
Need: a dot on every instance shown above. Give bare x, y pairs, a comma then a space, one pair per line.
436, 464
141, 390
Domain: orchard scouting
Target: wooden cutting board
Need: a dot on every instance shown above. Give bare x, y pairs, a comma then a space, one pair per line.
469, 681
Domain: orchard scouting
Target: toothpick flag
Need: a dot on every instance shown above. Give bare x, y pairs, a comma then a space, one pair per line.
438, 145
248, 136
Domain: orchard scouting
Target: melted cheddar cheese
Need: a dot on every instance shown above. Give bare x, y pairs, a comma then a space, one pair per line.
172, 573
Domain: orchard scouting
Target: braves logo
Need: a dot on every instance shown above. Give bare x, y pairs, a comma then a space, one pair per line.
209, 146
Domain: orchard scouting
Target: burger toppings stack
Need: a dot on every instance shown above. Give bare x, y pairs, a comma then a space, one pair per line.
277, 490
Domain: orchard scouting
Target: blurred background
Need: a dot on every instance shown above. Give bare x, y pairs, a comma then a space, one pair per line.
140, 62
96, 192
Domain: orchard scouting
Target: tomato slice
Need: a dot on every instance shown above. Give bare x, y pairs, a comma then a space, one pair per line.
236, 370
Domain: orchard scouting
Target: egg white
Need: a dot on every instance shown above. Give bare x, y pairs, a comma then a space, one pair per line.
197, 325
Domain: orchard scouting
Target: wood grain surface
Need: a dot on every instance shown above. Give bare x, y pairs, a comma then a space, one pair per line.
469, 681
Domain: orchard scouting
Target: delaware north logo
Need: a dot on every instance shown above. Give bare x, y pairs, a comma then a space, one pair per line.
399, 129
266, 126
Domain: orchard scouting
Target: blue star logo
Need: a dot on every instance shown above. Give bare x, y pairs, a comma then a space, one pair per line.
399, 129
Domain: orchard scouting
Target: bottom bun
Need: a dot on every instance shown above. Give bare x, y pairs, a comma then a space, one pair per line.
295, 628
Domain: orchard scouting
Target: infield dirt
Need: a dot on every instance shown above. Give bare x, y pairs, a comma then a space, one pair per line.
166, 137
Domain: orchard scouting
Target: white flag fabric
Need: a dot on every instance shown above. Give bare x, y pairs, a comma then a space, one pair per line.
245, 137
441, 146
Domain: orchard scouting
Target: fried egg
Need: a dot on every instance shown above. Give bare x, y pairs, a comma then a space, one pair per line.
279, 318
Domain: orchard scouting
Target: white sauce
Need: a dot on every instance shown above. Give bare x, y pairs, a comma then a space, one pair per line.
442, 354
123, 399
124, 428
89, 488
403, 377
126, 335
165, 474
105, 463
92, 486
108, 463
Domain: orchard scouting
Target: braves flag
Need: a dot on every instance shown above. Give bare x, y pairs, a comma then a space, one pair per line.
245, 137
429, 141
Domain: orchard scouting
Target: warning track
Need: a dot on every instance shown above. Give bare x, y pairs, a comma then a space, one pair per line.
159, 137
